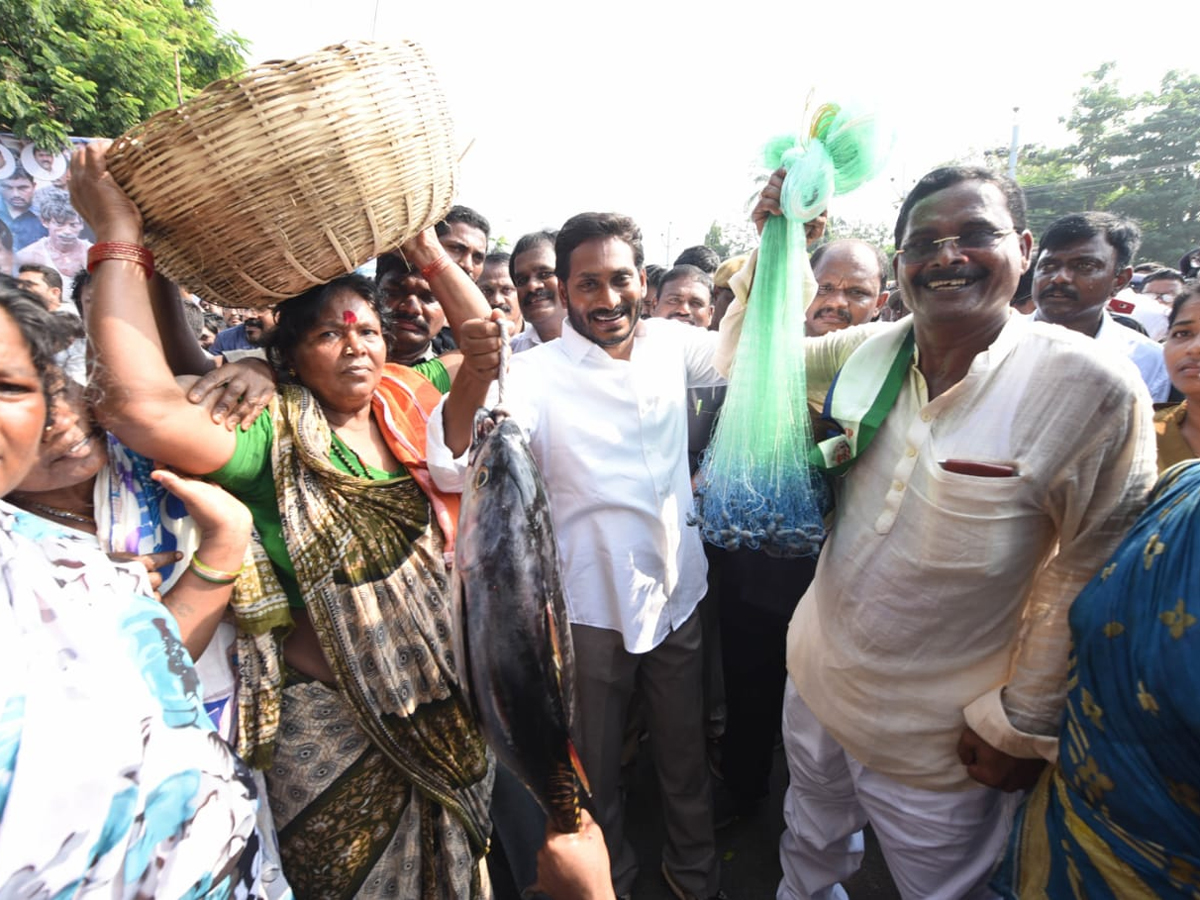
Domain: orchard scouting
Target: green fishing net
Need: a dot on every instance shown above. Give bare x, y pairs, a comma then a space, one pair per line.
755, 487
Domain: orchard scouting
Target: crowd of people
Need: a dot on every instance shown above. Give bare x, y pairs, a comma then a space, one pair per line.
228, 548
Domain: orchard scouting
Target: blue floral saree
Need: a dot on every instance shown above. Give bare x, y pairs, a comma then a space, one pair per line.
1119, 816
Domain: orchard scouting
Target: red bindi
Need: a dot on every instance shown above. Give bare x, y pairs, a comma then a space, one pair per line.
349, 317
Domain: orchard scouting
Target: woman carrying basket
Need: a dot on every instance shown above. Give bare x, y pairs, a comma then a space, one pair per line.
378, 779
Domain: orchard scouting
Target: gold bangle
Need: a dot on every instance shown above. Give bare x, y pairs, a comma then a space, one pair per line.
211, 575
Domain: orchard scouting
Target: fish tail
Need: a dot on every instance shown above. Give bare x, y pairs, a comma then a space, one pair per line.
563, 800
577, 766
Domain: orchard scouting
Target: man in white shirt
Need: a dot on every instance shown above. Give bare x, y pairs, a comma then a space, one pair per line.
1154, 298
603, 408
498, 290
1082, 261
928, 658
532, 268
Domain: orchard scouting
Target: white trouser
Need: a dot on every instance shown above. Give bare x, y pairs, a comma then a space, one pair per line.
938, 845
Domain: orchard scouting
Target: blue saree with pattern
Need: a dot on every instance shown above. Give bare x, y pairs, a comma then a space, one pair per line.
1119, 816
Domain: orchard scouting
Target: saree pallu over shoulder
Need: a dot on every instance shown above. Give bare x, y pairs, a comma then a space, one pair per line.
1119, 816
402, 405
369, 563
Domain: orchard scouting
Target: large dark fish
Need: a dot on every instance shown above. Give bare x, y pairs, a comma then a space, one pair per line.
516, 659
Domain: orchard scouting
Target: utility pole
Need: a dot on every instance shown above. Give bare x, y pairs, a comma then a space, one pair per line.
667, 241
1016, 142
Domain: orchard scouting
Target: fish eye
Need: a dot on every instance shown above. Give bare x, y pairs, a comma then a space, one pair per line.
481, 477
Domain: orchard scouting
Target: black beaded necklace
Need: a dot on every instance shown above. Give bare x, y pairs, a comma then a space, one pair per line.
56, 512
335, 444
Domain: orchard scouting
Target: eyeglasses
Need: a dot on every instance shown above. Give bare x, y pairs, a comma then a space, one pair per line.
974, 239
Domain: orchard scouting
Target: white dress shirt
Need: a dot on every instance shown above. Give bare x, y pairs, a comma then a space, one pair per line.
1146, 311
610, 439
1144, 352
527, 339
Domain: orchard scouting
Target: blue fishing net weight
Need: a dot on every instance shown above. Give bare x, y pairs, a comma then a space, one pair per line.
756, 489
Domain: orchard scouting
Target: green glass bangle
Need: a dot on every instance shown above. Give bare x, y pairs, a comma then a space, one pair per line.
211, 575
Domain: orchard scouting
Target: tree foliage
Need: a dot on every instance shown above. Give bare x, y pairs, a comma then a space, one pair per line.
878, 233
1161, 183
731, 238
1133, 154
98, 67
1048, 175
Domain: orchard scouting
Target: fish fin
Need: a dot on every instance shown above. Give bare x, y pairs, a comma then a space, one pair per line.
555, 645
577, 765
458, 623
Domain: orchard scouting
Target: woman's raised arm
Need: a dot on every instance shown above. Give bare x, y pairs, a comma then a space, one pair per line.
138, 400
455, 291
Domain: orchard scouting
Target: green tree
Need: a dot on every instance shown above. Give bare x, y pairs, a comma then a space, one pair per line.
731, 238
1137, 154
715, 240
98, 67
1160, 183
1101, 114
880, 234
1048, 175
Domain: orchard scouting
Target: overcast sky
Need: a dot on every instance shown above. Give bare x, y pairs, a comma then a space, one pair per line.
659, 110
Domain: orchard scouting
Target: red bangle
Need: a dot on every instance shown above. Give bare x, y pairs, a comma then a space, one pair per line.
430, 271
121, 250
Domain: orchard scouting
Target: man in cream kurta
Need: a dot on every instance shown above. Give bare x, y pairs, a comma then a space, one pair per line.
929, 654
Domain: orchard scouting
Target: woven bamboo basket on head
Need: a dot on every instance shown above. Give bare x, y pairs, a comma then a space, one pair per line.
292, 173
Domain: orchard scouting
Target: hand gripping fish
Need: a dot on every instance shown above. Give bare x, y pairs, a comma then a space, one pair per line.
515, 655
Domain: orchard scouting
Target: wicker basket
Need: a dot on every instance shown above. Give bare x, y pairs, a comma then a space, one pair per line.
291, 173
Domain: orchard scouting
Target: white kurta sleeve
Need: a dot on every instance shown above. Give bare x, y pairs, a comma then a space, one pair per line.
1095, 500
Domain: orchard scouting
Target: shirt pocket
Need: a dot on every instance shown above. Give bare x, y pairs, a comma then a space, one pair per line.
979, 525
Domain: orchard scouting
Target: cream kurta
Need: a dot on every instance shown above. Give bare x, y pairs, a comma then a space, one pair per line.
913, 622
941, 599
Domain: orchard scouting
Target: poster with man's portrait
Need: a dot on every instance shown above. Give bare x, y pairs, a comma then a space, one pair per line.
38, 224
